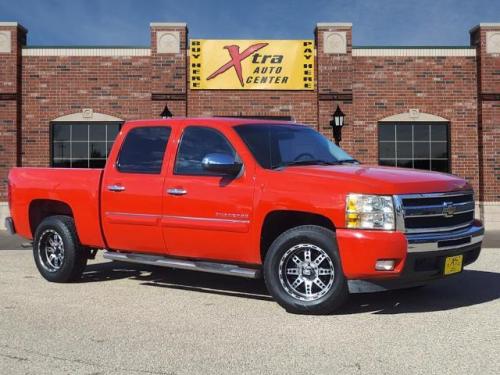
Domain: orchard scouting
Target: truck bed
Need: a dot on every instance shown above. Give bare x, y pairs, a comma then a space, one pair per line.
38, 187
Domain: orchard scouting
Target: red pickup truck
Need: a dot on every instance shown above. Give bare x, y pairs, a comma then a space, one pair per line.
249, 198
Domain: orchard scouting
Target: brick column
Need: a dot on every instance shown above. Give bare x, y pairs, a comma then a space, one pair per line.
334, 78
12, 38
168, 68
486, 38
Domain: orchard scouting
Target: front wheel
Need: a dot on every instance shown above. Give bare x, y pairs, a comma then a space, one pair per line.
58, 254
303, 272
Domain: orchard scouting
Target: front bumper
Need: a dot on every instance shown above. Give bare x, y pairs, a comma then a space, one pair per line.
419, 243
420, 269
419, 257
9, 224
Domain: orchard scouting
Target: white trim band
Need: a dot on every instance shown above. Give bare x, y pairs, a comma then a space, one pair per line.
485, 24
334, 24
12, 24
417, 52
86, 52
168, 24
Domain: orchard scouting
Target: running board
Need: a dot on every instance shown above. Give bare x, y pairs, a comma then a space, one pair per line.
212, 267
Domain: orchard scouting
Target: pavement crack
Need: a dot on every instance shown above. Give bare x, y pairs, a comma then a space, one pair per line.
78, 361
20, 359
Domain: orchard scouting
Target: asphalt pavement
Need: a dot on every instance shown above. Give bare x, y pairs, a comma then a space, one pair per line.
126, 319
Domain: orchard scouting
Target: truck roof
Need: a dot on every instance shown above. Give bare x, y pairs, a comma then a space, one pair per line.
211, 120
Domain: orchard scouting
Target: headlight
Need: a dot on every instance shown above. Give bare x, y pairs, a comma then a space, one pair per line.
369, 212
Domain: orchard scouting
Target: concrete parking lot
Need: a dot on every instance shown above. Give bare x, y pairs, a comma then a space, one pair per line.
123, 319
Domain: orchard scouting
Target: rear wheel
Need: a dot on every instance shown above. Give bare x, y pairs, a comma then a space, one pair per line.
303, 272
58, 254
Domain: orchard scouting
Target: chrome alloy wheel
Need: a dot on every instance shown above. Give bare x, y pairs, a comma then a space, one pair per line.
306, 272
51, 250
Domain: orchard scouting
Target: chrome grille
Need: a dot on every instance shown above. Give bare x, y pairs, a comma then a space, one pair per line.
435, 212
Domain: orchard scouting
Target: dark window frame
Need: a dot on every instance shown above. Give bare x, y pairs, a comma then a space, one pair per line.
52, 126
413, 124
201, 174
163, 164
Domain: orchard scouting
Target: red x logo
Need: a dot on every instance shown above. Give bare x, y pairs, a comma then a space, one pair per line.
236, 59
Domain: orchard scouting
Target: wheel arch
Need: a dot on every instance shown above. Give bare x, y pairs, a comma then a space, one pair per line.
40, 209
279, 221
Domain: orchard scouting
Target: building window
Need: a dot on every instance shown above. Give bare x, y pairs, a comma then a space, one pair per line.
414, 145
82, 145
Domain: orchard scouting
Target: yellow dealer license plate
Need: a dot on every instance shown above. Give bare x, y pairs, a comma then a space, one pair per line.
453, 264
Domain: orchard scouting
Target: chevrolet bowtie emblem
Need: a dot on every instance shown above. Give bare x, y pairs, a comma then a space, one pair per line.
236, 59
449, 209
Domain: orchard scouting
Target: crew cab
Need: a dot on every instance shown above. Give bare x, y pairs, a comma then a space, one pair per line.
249, 198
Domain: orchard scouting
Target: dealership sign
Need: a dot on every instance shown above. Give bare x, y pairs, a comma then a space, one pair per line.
252, 64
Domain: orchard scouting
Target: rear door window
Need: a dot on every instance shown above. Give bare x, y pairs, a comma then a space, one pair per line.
143, 150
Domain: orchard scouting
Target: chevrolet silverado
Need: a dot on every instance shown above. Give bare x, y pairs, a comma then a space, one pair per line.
248, 198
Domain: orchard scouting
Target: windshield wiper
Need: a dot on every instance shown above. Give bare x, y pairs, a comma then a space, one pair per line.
348, 161
305, 162
315, 162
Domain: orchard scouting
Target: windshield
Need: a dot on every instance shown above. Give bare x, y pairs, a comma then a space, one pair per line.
275, 146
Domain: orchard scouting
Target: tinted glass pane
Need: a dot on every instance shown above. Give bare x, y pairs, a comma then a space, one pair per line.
403, 132
61, 163
61, 149
422, 164
439, 132
387, 149
97, 163
421, 150
440, 165
97, 132
143, 150
388, 162
79, 132
403, 150
61, 132
113, 131
439, 150
79, 150
405, 163
198, 142
257, 139
386, 132
80, 163
97, 150
421, 132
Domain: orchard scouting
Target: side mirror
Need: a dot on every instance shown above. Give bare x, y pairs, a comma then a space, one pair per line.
221, 163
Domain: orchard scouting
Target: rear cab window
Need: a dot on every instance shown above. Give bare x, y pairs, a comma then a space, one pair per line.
143, 150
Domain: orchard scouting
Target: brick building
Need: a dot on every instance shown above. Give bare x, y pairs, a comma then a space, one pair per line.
424, 107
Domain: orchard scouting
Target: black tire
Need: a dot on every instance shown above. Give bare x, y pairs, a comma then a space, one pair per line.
74, 258
299, 238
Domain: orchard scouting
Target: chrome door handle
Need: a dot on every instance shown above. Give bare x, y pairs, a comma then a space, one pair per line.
116, 188
176, 191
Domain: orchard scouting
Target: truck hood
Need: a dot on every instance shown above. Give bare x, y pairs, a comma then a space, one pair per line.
379, 180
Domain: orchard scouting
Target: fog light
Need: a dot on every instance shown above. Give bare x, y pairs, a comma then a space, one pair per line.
385, 265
